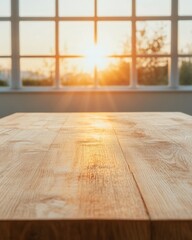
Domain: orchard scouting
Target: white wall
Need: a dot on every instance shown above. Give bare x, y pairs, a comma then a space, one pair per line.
95, 101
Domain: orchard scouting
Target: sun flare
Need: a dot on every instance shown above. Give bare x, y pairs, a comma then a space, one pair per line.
95, 57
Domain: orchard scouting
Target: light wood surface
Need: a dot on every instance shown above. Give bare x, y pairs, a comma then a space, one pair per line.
113, 176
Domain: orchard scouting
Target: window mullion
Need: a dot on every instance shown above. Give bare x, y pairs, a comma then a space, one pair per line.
57, 60
16, 83
95, 41
134, 62
174, 80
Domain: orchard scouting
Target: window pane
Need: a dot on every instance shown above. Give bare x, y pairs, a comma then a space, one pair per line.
76, 72
185, 7
114, 8
153, 71
76, 37
5, 72
114, 37
185, 67
37, 38
153, 7
5, 8
153, 37
76, 8
114, 72
37, 71
37, 7
5, 39
185, 37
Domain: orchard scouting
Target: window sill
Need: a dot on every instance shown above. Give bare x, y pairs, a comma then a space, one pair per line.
151, 89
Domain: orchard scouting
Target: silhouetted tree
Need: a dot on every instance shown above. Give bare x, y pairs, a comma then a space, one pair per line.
39, 77
186, 72
151, 70
115, 74
3, 82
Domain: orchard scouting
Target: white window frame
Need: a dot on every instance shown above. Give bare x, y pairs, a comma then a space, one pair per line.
15, 19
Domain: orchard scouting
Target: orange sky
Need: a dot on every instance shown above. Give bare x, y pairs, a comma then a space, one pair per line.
77, 38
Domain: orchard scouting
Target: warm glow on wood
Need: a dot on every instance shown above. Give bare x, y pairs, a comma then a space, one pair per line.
96, 176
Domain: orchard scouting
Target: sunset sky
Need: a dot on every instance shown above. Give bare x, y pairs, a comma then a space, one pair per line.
86, 7
38, 38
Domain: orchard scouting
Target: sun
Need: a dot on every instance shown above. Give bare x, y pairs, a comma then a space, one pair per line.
95, 58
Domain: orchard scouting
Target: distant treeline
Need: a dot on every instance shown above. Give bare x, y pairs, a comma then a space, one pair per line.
151, 74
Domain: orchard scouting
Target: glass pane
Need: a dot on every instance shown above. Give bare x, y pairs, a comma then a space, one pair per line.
185, 71
185, 7
76, 37
76, 8
185, 37
5, 39
5, 72
114, 8
36, 8
153, 7
76, 72
153, 37
37, 38
114, 37
153, 71
37, 71
5, 8
114, 72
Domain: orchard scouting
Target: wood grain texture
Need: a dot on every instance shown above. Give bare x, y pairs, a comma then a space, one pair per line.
96, 176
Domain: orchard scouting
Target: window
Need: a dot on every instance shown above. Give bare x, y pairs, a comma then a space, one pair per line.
5, 8
37, 8
153, 8
94, 44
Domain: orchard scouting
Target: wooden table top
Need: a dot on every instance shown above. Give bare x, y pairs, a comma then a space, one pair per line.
96, 176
